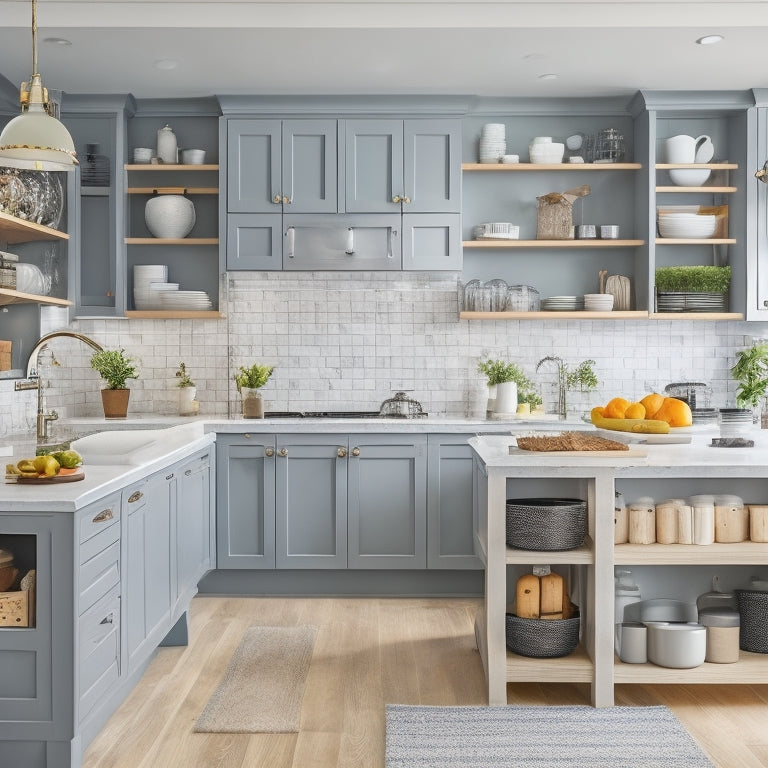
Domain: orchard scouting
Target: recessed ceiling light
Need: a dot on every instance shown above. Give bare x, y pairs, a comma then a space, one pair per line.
548, 76
57, 41
166, 64
709, 39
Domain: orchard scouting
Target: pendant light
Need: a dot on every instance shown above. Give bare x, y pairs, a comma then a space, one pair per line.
35, 139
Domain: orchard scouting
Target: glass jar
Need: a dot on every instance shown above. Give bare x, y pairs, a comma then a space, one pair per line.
8, 270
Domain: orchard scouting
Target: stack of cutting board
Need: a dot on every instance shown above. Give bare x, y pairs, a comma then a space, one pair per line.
543, 595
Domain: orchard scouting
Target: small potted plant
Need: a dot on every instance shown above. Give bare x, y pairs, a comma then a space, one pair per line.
115, 368
249, 381
751, 371
188, 406
582, 379
507, 383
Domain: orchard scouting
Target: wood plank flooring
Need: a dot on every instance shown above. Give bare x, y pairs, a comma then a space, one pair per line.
369, 652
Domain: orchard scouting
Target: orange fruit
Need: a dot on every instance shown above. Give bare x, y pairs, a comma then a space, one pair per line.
652, 403
635, 411
616, 408
675, 412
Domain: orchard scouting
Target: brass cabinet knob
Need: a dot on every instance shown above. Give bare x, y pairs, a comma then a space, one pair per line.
103, 516
397, 199
269, 451
135, 496
355, 451
277, 199
287, 200
341, 453
282, 452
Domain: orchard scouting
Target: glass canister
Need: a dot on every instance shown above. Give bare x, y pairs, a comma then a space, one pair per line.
610, 146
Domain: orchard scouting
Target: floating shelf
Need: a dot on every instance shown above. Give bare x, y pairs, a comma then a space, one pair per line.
585, 555
9, 296
164, 167
511, 167
171, 314
173, 190
695, 241
14, 230
549, 315
696, 316
592, 243
697, 166
172, 241
711, 190
737, 553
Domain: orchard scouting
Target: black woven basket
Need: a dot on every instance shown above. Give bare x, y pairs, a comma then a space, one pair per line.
546, 524
542, 638
753, 612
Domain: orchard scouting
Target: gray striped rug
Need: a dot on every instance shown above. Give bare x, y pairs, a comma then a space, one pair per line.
538, 737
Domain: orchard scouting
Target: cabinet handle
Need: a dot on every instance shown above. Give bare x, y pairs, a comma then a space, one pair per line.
247, 435
287, 200
135, 496
270, 451
188, 473
341, 452
169, 477
355, 451
110, 619
282, 452
103, 516
277, 199
401, 199
290, 235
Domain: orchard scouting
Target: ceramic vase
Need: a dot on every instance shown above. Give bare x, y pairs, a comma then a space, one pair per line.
167, 145
188, 406
115, 402
169, 216
253, 405
506, 397
491, 402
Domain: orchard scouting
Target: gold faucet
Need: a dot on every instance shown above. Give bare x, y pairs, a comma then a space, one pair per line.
44, 417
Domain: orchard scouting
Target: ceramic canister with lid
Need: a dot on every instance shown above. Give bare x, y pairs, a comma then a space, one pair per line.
722, 634
642, 521
167, 146
731, 519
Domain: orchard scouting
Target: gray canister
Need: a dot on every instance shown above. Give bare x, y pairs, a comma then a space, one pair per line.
722, 634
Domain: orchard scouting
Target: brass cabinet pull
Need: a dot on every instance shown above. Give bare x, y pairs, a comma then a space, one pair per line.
341, 452
277, 199
269, 451
247, 435
103, 516
282, 452
401, 199
135, 496
355, 451
287, 200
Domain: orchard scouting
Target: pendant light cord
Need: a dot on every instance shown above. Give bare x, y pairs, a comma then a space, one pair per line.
34, 37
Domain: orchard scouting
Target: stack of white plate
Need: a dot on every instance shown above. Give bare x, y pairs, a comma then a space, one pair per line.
735, 422
143, 276
499, 230
562, 303
687, 225
691, 302
493, 142
598, 302
186, 300
156, 291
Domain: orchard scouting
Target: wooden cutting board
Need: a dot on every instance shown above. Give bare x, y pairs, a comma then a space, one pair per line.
73, 478
631, 453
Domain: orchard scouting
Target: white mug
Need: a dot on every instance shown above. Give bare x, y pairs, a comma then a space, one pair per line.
631, 642
683, 149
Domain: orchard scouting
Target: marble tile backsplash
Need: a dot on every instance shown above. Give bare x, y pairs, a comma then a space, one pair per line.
348, 341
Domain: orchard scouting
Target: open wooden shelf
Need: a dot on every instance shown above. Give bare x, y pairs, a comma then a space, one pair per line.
583, 555
9, 296
164, 167
696, 316
549, 315
171, 314
14, 230
591, 243
172, 241
750, 668
577, 667
173, 190
508, 167
695, 241
737, 553
712, 190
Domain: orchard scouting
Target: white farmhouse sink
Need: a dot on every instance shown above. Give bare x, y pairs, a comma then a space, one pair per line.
134, 446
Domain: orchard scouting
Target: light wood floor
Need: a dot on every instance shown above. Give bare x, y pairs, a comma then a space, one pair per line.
369, 652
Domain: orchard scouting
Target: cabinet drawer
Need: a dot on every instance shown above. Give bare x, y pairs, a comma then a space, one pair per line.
96, 517
99, 651
99, 573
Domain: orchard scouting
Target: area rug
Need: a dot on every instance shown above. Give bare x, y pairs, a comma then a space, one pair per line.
538, 737
262, 689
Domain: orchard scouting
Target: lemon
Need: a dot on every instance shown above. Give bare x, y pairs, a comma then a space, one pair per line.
46, 465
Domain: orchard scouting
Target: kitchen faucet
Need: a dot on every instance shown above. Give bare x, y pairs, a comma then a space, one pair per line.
45, 417
561, 382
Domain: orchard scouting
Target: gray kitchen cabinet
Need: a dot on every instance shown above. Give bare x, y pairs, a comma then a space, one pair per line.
411, 165
245, 501
387, 501
432, 241
254, 241
450, 495
277, 163
311, 501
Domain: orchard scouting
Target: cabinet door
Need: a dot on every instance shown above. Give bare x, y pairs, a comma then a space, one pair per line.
193, 526
387, 501
149, 566
309, 167
432, 241
245, 501
449, 498
374, 165
311, 501
432, 166
254, 179
254, 241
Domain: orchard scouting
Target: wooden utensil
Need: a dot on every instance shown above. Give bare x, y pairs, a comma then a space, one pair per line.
551, 601
528, 598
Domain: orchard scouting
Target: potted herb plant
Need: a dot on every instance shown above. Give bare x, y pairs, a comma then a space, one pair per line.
582, 379
508, 382
249, 381
115, 368
751, 371
188, 406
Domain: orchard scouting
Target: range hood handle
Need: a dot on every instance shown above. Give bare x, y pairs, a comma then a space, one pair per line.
350, 249
290, 235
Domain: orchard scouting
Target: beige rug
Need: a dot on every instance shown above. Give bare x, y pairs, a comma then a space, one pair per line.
262, 689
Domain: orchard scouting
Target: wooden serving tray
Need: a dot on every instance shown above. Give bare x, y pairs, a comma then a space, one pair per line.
73, 478
631, 453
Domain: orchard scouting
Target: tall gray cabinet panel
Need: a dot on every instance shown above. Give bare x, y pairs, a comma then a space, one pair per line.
432, 241
254, 241
450, 503
387, 501
309, 161
245, 501
311, 501
253, 166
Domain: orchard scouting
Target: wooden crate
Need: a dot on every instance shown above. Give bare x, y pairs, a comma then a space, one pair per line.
5, 355
17, 609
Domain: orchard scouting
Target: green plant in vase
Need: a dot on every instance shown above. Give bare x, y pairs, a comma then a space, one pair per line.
188, 405
751, 371
115, 368
249, 380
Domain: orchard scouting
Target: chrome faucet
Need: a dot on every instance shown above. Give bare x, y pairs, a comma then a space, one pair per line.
45, 417
561, 382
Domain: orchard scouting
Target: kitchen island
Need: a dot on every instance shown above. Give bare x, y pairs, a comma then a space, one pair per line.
665, 471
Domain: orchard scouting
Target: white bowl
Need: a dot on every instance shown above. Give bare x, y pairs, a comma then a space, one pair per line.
193, 156
694, 227
689, 177
142, 155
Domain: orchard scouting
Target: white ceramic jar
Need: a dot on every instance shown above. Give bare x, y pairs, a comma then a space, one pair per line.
167, 146
169, 216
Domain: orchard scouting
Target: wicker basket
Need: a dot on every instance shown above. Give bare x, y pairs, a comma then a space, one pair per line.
542, 638
546, 524
753, 610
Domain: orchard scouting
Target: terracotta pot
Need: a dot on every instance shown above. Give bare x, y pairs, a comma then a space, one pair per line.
115, 402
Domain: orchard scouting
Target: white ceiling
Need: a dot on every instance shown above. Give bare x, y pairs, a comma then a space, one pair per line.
603, 47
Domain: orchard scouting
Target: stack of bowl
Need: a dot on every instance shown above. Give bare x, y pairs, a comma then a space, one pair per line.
543, 151
598, 302
687, 225
493, 142
144, 275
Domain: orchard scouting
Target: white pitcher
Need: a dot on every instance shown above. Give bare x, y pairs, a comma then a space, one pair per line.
167, 146
684, 149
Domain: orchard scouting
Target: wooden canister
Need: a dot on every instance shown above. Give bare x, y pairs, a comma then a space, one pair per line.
666, 522
642, 521
758, 522
731, 520
620, 520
